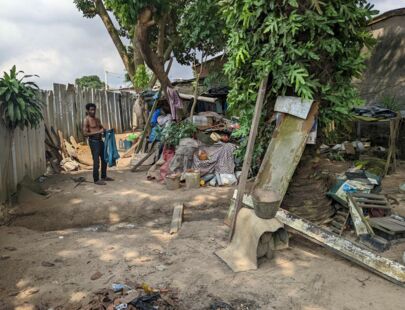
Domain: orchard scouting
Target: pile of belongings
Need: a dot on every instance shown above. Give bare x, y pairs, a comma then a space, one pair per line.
353, 181
368, 213
373, 113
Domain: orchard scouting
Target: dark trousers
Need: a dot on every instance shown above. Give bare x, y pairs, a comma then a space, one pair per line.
97, 151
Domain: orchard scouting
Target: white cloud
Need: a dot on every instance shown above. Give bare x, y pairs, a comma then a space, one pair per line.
387, 5
51, 38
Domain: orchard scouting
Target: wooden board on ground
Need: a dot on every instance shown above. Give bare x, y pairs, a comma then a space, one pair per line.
177, 218
388, 223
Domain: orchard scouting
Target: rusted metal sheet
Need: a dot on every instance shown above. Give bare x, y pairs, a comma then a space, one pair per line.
284, 153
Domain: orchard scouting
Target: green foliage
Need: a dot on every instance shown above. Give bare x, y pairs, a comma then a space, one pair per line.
87, 7
90, 81
142, 77
192, 25
390, 102
309, 49
174, 132
200, 30
127, 12
216, 78
20, 104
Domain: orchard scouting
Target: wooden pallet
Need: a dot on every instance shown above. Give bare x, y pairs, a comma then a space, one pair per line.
339, 222
371, 201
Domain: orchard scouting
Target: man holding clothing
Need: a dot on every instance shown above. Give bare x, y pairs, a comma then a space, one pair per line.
93, 129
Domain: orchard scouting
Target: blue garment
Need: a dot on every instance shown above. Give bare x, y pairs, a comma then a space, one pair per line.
154, 118
110, 148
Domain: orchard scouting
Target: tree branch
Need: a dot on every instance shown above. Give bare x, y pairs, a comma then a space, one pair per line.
122, 51
151, 58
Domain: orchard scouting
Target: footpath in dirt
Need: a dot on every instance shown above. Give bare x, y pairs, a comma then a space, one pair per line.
63, 249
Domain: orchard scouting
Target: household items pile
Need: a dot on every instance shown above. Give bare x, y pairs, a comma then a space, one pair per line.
65, 155
197, 145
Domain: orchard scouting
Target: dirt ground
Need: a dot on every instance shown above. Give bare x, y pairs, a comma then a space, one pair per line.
49, 253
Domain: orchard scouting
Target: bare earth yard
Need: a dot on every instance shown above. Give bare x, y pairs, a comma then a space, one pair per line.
51, 250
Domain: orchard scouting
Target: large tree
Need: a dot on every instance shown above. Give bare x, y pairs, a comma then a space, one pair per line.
90, 81
309, 48
156, 28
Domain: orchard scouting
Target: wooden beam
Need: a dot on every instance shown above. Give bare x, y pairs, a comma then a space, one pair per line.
199, 98
249, 151
177, 219
384, 267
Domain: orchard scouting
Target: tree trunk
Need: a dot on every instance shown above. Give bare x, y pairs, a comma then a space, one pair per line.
138, 59
152, 60
122, 51
166, 57
197, 80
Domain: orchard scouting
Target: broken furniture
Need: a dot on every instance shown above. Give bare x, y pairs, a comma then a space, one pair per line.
389, 227
361, 225
379, 115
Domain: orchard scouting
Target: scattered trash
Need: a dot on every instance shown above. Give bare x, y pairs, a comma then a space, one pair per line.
118, 287
161, 267
121, 307
142, 297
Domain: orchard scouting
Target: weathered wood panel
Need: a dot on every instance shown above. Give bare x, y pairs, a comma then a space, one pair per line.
25, 155
65, 109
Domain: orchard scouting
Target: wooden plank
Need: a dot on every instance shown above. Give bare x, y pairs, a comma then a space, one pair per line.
177, 218
366, 195
57, 106
390, 270
374, 206
389, 224
360, 223
70, 102
249, 152
371, 201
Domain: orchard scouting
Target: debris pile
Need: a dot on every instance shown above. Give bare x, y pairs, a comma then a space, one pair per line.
177, 146
142, 297
66, 155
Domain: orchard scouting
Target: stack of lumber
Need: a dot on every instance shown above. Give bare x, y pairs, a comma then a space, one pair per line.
66, 155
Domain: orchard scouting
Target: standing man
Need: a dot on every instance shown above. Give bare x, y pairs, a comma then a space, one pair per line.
93, 129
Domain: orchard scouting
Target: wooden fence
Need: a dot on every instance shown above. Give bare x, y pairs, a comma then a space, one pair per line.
25, 156
64, 110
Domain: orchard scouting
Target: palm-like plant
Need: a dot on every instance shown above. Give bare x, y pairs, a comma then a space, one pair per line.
20, 104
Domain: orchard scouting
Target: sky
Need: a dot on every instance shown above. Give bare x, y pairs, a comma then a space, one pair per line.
51, 38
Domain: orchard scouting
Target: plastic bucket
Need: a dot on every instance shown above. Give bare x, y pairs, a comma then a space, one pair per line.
127, 144
172, 182
192, 179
